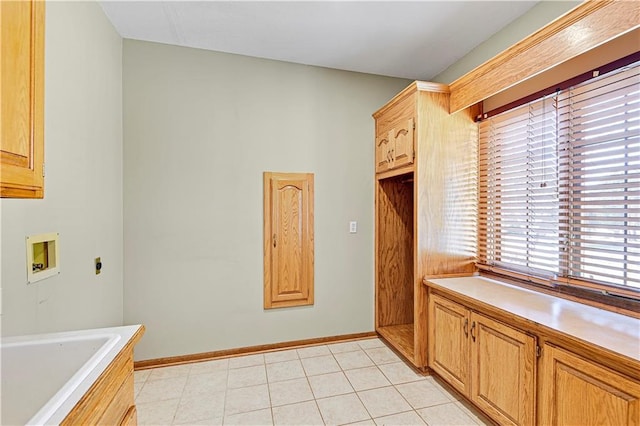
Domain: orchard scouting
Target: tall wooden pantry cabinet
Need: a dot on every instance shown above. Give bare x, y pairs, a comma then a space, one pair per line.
425, 203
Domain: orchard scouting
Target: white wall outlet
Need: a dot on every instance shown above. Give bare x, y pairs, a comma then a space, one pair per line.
353, 227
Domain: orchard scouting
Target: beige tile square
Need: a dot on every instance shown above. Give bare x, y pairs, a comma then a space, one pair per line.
246, 361
436, 384
246, 399
246, 376
371, 343
383, 401
399, 372
201, 384
353, 359
157, 412
311, 351
446, 415
364, 422
382, 355
209, 366
342, 409
302, 413
471, 412
141, 376
137, 387
320, 365
204, 422
280, 356
162, 389
290, 391
330, 384
252, 418
366, 378
344, 347
169, 372
422, 394
408, 418
197, 407
286, 370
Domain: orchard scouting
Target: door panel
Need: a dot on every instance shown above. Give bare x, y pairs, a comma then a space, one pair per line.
575, 391
448, 341
288, 238
503, 365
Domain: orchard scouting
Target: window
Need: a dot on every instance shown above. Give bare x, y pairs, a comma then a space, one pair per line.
560, 186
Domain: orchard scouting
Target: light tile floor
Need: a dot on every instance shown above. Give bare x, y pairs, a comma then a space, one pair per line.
361, 382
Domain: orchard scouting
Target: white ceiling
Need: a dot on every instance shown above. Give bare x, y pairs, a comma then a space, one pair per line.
415, 40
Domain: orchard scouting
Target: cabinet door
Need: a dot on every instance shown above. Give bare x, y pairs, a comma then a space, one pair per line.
402, 150
288, 239
22, 90
383, 153
503, 363
575, 391
448, 341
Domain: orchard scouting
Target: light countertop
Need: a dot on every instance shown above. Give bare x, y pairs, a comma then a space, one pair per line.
609, 330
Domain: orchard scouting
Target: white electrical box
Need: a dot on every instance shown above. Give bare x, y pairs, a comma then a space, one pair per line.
42, 256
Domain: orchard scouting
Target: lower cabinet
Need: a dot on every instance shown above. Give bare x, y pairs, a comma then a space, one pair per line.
492, 364
581, 392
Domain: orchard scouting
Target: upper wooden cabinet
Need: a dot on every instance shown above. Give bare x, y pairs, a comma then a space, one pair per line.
288, 239
22, 92
426, 162
395, 149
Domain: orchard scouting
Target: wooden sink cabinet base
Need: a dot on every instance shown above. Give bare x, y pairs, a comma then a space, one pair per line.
110, 401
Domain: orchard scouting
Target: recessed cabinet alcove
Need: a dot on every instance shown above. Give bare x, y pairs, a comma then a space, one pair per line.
425, 193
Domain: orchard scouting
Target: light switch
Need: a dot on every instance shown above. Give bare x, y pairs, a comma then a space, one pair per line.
353, 227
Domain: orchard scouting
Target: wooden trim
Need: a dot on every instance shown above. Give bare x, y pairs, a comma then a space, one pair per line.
588, 25
247, 350
586, 76
426, 86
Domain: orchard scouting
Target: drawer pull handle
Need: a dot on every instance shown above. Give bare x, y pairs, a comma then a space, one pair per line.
466, 327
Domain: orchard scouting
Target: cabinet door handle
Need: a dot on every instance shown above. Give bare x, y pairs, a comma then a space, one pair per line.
473, 329
466, 327
274, 240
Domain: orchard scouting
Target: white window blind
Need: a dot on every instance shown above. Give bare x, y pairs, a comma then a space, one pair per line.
559, 193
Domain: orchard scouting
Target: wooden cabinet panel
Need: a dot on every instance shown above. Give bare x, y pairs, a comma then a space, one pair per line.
383, 153
288, 236
448, 342
575, 391
503, 364
402, 152
22, 90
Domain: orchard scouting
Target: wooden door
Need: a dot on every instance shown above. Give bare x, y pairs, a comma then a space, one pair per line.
383, 153
403, 144
448, 341
22, 92
503, 375
288, 239
575, 391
